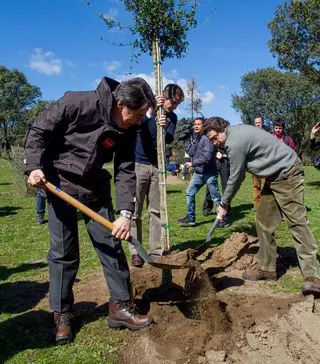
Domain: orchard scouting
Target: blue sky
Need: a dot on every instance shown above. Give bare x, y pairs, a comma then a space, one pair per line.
57, 45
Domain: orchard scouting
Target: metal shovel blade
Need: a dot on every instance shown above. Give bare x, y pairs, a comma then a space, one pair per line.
206, 245
148, 259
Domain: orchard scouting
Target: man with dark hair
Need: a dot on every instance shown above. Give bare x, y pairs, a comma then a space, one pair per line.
68, 145
203, 162
279, 132
146, 169
252, 149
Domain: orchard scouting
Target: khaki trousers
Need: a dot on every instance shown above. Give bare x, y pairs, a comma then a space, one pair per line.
284, 197
257, 182
147, 189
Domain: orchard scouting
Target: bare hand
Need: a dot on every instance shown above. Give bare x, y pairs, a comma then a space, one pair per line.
162, 121
315, 130
160, 100
36, 178
219, 155
221, 213
121, 228
188, 164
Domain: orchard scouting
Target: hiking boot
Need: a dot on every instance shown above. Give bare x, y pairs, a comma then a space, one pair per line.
63, 325
186, 221
39, 219
311, 285
207, 213
259, 275
136, 261
124, 315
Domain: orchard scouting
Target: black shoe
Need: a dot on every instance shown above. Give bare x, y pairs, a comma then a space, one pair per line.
136, 261
40, 219
223, 224
207, 213
186, 221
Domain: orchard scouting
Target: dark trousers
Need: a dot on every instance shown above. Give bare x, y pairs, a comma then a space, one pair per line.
63, 257
224, 172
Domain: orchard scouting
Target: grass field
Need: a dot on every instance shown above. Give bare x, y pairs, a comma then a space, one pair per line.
26, 333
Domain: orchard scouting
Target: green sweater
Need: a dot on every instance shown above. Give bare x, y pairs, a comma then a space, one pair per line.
255, 150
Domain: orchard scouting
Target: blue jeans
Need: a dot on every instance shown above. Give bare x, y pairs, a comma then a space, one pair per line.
41, 201
197, 181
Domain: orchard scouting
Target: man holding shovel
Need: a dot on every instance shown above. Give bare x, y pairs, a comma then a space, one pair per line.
262, 154
68, 145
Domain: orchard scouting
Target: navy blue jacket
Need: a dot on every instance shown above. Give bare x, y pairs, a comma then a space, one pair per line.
146, 149
202, 153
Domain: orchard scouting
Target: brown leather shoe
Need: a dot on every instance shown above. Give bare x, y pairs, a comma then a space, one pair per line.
311, 285
124, 314
136, 261
258, 275
63, 324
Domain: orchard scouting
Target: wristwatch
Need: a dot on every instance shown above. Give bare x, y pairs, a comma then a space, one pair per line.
126, 213
223, 205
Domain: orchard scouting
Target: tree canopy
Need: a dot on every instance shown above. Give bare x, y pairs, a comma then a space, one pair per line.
271, 93
295, 31
16, 96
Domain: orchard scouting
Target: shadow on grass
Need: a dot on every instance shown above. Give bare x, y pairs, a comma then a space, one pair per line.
239, 212
8, 210
36, 330
170, 192
313, 184
6, 272
21, 296
6, 184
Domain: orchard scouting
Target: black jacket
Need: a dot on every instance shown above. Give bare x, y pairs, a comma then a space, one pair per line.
314, 144
72, 140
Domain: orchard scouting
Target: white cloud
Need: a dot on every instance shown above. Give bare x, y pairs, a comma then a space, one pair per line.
45, 62
96, 82
208, 97
112, 13
110, 67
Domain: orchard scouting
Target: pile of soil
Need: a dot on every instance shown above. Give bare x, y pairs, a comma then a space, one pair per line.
198, 321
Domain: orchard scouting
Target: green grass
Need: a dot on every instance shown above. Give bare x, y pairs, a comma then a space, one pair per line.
26, 333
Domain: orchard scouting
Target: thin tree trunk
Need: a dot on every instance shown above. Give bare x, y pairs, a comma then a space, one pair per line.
165, 239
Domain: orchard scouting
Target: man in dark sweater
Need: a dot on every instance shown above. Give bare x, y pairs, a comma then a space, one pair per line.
146, 169
262, 154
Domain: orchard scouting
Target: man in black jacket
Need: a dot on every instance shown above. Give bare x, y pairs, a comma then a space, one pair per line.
68, 145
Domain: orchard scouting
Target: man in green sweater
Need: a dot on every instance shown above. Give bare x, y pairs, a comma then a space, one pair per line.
263, 155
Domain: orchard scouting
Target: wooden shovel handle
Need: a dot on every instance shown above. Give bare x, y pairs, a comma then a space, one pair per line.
78, 205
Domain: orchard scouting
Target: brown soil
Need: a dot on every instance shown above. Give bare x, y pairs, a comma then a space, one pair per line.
208, 315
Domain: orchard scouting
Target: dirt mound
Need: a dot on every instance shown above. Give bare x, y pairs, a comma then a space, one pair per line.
241, 323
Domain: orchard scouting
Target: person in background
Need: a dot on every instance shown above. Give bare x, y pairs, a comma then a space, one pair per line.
257, 181
40, 205
224, 172
315, 144
186, 159
203, 162
279, 132
261, 154
146, 169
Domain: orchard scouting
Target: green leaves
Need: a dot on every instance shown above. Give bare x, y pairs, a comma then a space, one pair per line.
295, 40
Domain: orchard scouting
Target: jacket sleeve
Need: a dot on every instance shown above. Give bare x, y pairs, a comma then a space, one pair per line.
314, 144
40, 133
237, 158
124, 176
171, 128
206, 152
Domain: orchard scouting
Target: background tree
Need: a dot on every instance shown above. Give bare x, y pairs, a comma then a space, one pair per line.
195, 105
16, 96
273, 93
295, 31
159, 29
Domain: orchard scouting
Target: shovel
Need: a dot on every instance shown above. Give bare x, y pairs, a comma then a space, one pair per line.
206, 245
106, 223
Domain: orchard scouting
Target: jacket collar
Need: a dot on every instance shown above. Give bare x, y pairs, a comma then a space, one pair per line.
104, 91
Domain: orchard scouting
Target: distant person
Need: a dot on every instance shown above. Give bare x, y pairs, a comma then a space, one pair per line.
251, 149
203, 162
314, 143
279, 132
224, 172
185, 170
257, 181
40, 205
